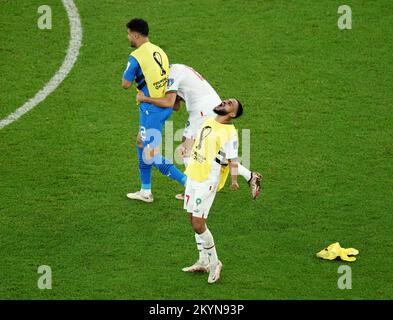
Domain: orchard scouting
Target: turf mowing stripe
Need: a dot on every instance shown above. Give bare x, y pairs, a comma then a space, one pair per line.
61, 74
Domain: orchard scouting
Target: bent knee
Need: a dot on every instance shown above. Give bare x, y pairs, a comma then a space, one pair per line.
198, 226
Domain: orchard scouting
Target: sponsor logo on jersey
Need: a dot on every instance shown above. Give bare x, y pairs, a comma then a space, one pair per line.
160, 84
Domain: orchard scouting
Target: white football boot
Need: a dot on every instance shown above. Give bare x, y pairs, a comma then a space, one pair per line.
140, 196
199, 266
255, 184
215, 272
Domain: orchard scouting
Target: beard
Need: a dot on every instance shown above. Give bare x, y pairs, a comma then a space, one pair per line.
220, 112
132, 44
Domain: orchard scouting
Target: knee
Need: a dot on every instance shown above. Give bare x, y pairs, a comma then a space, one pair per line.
198, 226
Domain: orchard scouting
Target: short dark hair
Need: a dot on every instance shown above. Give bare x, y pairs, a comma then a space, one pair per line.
239, 110
139, 25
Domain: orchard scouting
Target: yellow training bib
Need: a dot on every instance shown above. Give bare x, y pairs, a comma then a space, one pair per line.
210, 138
155, 68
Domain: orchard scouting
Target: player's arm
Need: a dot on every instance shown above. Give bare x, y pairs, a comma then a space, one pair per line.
166, 102
233, 165
125, 83
130, 72
231, 153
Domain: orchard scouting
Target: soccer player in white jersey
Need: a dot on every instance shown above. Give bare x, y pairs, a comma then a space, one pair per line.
200, 99
214, 155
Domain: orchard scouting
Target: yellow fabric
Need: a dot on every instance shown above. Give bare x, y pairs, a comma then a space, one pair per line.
155, 68
334, 250
210, 138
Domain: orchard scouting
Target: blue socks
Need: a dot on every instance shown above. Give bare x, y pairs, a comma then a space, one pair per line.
144, 170
163, 165
169, 169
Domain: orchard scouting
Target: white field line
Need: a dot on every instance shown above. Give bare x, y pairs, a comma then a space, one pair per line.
71, 57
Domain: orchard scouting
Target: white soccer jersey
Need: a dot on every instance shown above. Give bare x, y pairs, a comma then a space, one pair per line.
198, 94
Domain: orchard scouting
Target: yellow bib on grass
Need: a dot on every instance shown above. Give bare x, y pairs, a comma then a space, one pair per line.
210, 138
334, 250
155, 68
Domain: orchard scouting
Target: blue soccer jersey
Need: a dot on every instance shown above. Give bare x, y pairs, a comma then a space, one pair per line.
151, 116
148, 67
134, 72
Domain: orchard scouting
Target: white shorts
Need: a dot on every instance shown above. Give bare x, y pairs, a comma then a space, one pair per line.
199, 197
193, 124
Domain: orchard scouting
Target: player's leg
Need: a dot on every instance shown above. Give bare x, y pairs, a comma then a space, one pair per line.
145, 168
156, 121
244, 172
202, 200
207, 240
202, 264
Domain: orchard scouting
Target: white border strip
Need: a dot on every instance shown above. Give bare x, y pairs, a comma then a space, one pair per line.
61, 74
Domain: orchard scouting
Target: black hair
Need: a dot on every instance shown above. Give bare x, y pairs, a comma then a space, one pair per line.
239, 110
139, 25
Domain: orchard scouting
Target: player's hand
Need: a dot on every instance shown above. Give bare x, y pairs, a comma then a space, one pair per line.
140, 96
181, 151
234, 186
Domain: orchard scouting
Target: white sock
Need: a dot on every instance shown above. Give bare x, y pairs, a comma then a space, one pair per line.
243, 171
146, 192
203, 257
209, 246
185, 161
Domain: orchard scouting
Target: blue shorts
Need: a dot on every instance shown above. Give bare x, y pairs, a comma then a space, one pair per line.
151, 123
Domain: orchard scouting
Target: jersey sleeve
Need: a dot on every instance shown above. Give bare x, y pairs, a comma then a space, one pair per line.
131, 69
173, 83
230, 148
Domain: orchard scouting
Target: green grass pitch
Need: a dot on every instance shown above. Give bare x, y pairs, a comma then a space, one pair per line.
318, 102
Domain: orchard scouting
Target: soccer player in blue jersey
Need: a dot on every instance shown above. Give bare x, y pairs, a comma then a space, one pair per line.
148, 67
